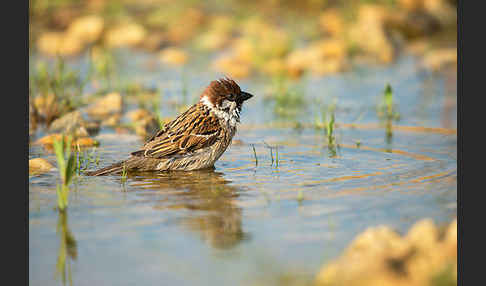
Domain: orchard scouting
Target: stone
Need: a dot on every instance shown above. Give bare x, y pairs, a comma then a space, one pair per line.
107, 105
331, 22
125, 35
369, 34
48, 108
87, 29
379, 256
144, 122
48, 141
74, 124
173, 56
232, 66
59, 43
39, 166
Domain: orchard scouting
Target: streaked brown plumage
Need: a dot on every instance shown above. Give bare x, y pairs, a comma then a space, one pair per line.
195, 139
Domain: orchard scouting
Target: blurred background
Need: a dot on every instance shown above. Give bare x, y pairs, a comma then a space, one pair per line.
246, 38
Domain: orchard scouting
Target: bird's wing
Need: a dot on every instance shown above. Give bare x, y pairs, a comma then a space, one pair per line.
193, 130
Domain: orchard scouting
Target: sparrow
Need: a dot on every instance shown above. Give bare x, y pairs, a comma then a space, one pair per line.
193, 140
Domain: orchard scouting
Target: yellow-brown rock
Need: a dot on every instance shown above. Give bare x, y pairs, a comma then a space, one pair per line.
144, 122
369, 34
48, 141
108, 105
379, 256
213, 40
327, 66
47, 108
39, 165
275, 67
332, 23
112, 120
185, 27
173, 56
129, 35
87, 29
411, 5
73, 123
232, 66
59, 43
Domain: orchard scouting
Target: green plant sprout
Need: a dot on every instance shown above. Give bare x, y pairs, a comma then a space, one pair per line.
124, 174
67, 168
254, 153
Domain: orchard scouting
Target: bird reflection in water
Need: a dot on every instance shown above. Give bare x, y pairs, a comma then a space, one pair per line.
214, 214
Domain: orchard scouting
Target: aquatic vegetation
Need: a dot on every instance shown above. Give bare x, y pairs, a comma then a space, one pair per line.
387, 108
289, 98
102, 68
124, 175
254, 153
67, 249
85, 159
387, 111
67, 168
276, 160
276, 156
300, 196
55, 91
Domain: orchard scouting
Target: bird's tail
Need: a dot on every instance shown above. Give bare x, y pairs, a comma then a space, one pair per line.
112, 169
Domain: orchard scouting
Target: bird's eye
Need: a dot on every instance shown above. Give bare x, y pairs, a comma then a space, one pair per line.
231, 97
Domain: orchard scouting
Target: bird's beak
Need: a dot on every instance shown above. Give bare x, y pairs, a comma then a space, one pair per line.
245, 96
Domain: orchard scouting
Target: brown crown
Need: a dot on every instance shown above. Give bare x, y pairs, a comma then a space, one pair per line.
218, 89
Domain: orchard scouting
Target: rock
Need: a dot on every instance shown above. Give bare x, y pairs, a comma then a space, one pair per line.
327, 66
232, 66
33, 118
154, 41
275, 67
413, 24
332, 23
59, 43
74, 124
112, 120
213, 40
145, 123
48, 141
321, 58
108, 105
185, 27
173, 56
369, 33
48, 108
39, 165
442, 10
415, 259
423, 234
87, 29
411, 5
129, 35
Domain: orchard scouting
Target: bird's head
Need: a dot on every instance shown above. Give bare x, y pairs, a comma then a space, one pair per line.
224, 94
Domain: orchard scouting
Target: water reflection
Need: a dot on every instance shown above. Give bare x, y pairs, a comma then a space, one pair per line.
209, 197
67, 249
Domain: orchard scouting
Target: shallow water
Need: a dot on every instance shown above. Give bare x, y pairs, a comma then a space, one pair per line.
242, 221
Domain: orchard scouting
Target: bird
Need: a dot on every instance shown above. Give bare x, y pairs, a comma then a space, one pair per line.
195, 139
